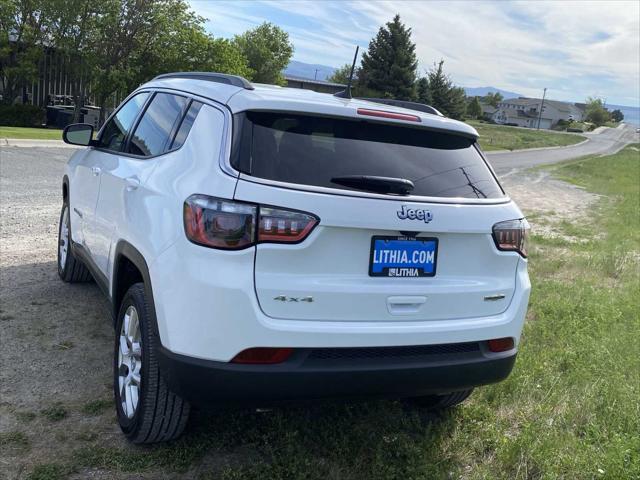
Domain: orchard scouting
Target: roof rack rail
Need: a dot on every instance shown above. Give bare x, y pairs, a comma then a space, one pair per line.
234, 80
420, 107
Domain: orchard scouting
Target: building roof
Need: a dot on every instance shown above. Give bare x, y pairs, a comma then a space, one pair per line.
273, 97
488, 109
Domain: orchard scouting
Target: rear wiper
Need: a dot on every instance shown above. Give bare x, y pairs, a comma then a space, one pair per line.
370, 183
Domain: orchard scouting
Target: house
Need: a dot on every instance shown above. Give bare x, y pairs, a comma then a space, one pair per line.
525, 112
321, 86
487, 111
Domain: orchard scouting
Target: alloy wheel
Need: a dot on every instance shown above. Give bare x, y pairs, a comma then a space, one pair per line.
63, 243
130, 362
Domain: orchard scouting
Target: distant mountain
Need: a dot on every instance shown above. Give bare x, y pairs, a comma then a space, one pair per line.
482, 91
308, 70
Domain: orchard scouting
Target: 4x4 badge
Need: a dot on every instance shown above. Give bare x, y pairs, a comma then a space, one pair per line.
284, 298
415, 214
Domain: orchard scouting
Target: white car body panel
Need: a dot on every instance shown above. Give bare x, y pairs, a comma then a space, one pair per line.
211, 304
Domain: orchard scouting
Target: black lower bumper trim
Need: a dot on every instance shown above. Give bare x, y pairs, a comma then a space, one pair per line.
205, 382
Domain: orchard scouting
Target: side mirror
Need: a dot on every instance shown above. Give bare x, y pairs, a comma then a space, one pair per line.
78, 134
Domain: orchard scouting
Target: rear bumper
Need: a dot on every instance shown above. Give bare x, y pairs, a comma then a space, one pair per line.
213, 312
307, 375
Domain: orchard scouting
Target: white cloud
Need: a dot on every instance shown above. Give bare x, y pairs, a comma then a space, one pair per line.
576, 49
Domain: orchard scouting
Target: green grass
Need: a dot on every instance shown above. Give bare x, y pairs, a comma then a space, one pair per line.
49, 471
570, 409
97, 407
498, 137
15, 439
30, 133
55, 412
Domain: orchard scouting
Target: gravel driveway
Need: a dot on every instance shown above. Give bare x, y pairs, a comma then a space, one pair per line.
56, 338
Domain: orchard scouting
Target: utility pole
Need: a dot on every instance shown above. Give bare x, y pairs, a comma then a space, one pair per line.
315, 76
544, 94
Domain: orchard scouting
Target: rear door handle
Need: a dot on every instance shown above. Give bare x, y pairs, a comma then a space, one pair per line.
405, 305
132, 183
96, 171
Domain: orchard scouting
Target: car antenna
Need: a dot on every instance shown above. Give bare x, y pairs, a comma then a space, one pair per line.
346, 93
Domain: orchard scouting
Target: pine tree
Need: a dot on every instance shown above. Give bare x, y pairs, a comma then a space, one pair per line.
474, 109
423, 95
446, 97
389, 66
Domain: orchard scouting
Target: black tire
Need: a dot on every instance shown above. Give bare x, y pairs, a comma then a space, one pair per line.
441, 402
70, 269
161, 415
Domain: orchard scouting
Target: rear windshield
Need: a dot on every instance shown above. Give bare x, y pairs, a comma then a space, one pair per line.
312, 150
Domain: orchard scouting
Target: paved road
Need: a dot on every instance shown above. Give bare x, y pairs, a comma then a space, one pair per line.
609, 141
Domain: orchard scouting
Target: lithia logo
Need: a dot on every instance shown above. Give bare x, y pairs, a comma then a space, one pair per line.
413, 214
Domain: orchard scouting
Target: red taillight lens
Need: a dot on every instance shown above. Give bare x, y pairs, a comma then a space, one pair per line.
284, 226
512, 235
217, 223
263, 355
229, 225
385, 114
500, 344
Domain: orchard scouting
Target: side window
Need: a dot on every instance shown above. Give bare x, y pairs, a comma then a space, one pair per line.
186, 125
116, 129
153, 134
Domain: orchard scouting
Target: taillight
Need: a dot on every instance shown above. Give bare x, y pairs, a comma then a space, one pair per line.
263, 355
230, 225
512, 235
217, 223
277, 225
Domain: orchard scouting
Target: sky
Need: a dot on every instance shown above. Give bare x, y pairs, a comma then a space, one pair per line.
577, 49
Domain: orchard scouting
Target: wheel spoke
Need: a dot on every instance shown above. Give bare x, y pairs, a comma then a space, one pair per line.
123, 395
124, 346
131, 407
135, 377
133, 323
126, 322
136, 350
133, 394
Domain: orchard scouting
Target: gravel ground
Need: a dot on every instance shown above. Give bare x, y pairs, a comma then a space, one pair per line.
56, 338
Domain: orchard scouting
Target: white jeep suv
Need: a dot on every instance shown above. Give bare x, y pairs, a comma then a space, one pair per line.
261, 244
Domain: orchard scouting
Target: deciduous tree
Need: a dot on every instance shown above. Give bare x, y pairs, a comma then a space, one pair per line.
341, 75
493, 98
617, 115
595, 112
23, 29
268, 51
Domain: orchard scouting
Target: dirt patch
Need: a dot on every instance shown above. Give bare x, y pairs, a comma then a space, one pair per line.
550, 204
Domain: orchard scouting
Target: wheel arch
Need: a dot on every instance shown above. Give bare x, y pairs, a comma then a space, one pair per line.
129, 267
65, 188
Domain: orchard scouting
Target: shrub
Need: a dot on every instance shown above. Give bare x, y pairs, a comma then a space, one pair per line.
22, 116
